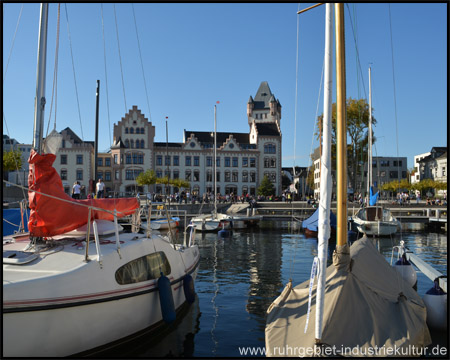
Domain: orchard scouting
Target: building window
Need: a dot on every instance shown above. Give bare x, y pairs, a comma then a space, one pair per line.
227, 176
176, 174
244, 176
209, 161
252, 162
142, 131
187, 176
138, 130
79, 159
63, 174
209, 175
187, 161
196, 175
273, 162
158, 173
116, 175
107, 161
269, 149
167, 160
132, 143
218, 162
227, 162
137, 144
443, 171
128, 158
142, 144
100, 174
384, 163
245, 162
115, 158
252, 176
159, 160
127, 143
100, 161
218, 176
126, 130
196, 161
63, 159
266, 162
235, 176
393, 174
374, 163
235, 162
107, 175
79, 174
135, 158
131, 130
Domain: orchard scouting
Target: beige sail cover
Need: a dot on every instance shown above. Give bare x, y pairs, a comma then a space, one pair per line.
369, 311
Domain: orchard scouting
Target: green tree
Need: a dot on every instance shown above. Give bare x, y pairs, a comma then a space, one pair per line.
357, 135
266, 187
12, 160
146, 178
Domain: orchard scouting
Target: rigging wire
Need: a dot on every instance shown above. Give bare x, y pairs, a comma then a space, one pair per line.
296, 89
120, 59
55, 74
12, 43
73, 69
142, 64
106, 76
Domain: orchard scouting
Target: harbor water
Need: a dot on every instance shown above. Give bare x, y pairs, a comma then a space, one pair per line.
240, 276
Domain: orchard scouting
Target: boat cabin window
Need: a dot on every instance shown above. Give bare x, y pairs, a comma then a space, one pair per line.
145, 268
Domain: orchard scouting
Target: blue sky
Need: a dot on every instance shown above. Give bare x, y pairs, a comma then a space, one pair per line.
197, 54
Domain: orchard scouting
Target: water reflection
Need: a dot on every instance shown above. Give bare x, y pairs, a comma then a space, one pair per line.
240, 276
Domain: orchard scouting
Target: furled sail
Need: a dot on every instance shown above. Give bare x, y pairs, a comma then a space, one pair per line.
59, 213
373, 197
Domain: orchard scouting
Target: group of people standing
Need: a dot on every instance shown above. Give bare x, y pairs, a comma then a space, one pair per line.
99, 189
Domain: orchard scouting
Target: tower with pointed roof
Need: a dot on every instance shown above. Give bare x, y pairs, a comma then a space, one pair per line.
264, 107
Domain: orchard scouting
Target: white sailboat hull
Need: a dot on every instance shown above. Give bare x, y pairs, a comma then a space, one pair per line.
376, 221
80, 306
211, 223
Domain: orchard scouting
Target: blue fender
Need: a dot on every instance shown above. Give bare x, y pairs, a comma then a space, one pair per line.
189, 289
166, 299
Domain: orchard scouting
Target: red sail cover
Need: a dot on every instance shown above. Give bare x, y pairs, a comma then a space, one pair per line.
50, 216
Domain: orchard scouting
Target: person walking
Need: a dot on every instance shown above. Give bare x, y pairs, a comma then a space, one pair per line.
76, 190
100, 189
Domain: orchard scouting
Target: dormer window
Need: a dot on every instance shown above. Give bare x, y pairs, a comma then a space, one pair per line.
231, 146
192, 144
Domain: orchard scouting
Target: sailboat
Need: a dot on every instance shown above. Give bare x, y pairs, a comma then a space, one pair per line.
374, 219
214, 221
361, 305
66, 294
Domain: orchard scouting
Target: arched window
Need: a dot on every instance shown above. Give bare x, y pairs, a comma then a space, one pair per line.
137, 144
142, 142
127, 143
131, 130
132, 142
142, 130
137, 130
126, 130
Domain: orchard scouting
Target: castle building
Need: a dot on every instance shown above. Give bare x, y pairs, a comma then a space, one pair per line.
243, 159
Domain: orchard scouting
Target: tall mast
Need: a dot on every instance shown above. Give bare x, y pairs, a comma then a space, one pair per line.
341, 128
97, 101
215, 162
369, 149
325, 179
39, 101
